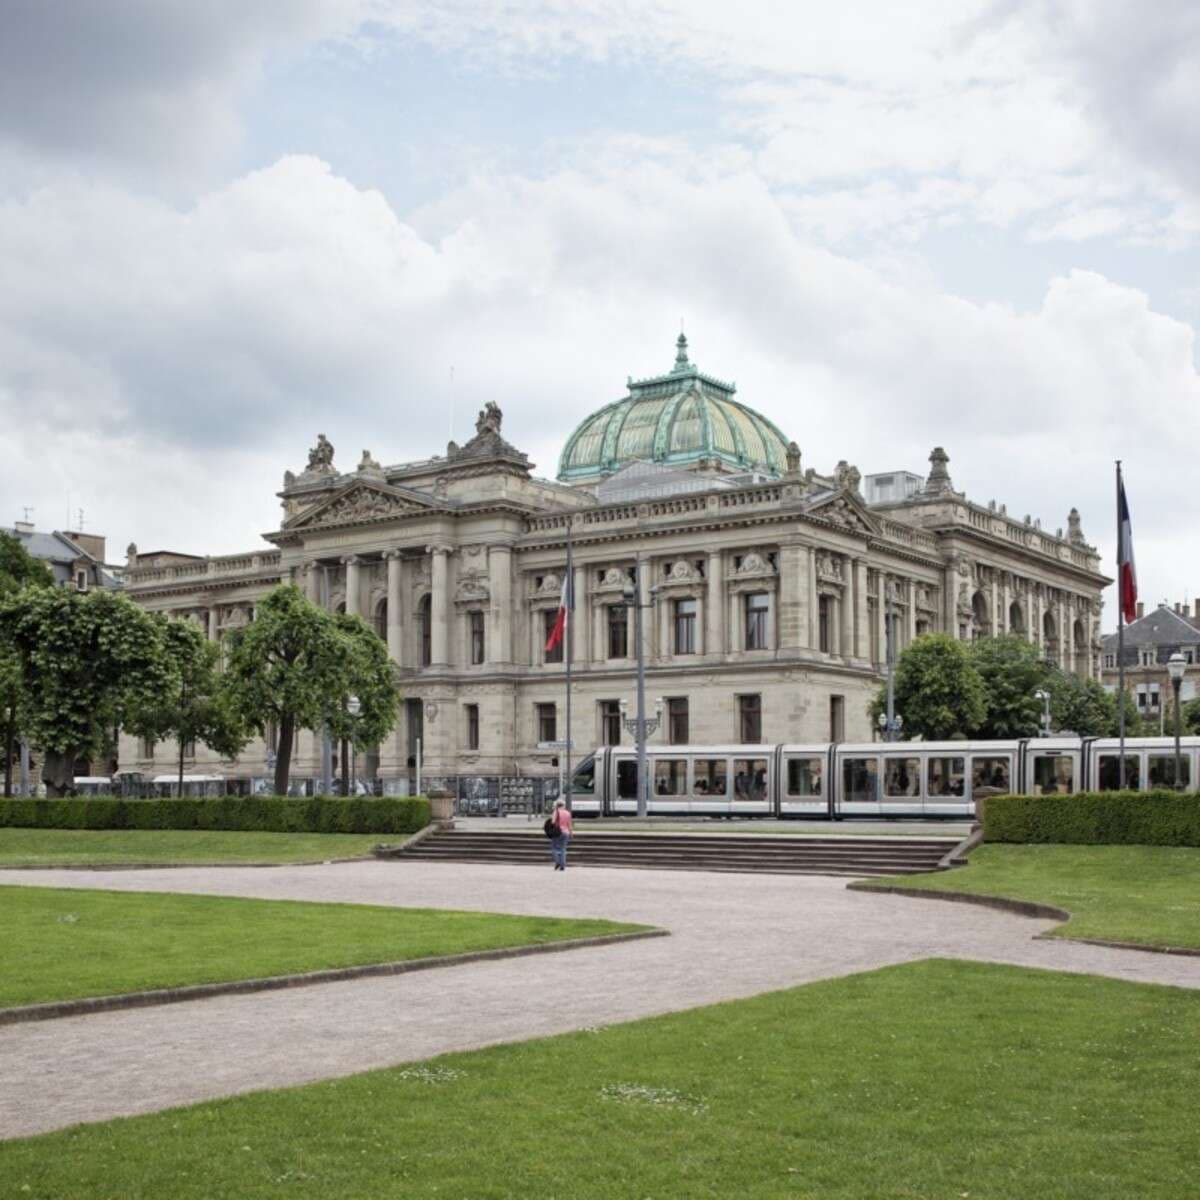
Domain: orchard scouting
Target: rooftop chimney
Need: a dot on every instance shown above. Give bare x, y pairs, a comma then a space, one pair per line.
1141, 609
1177, 608
1186, 611
23, 526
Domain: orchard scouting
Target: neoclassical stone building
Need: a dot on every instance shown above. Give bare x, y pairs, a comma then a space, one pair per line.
766, 584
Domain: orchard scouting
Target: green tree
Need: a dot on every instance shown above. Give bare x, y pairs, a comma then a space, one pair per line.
1081, 706
1012, 671
1191, 716
194, 706
938, 690
18, 569
296, 666
90, 663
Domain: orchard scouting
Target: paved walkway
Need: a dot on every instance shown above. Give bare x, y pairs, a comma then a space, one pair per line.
733, 936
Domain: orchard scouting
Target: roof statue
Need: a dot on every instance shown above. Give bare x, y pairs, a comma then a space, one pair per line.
320, 457
793, 458
848, 478
368, 466
489, 418
685, 419
938, 483
1075, 528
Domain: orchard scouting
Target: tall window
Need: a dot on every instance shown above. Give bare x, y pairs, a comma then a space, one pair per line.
757, 608
618, 631
475, 633
147, 747
610, 722
685, 626
750, 719
425, 628
472, 726
825, 625
677, 721
380, 621
547, 722
549, 617
837, 718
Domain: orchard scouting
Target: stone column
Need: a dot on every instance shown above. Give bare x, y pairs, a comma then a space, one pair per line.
881, 615
395, 622
950, 599
813, 606
1060, 621
313, 581
911, 589
862, 632
440, 607
792, 594
845, 645
352, 564
581, 644
500, 635
714, 609
1006, 603
213, 632
997, 621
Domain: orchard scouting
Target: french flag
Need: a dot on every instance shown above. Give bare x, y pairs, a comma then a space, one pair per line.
565, 605
1126, 571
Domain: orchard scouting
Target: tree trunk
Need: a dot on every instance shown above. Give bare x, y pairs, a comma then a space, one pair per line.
345, 765
58, 773
283, 755
182, 747
10, 741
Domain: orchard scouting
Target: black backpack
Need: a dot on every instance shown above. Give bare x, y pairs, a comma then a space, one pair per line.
550, 827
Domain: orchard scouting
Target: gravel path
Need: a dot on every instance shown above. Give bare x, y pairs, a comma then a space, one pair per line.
733, 936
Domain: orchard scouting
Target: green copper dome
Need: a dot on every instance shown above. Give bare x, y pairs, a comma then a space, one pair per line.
683, 419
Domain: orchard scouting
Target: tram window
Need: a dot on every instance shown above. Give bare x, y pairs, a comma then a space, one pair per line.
804, 776
670, 776
627, 780
1053, 774
901, 776
859, 779
1110, 773
750, 779
990, 776
947, 776
711, 777
1161, 770
583, 782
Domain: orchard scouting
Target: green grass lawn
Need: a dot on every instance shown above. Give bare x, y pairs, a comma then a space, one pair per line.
1145, 894
62, 944
936, 1079
173, 847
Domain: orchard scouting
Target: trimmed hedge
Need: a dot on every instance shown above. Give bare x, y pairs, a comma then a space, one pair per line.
1160, 818
262, 814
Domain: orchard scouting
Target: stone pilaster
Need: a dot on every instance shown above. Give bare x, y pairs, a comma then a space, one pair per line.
440, 606
395, 617
714, 608
500, 580
213, 631
862, 632
581, 640
353, 565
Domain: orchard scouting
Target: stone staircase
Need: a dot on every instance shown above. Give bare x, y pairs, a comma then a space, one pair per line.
772, 854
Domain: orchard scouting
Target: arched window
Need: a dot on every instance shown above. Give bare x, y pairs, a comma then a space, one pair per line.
979, 610
425, 628
1016, 618
380, 619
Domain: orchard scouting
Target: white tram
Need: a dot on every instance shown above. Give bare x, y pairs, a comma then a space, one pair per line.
872, 779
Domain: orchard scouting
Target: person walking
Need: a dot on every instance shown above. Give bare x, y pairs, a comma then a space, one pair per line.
564, 827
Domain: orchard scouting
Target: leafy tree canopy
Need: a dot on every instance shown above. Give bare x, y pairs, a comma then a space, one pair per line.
1012, 671
18, 568
938, 690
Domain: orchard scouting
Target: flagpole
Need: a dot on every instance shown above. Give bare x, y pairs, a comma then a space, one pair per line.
570, 632
1120, 637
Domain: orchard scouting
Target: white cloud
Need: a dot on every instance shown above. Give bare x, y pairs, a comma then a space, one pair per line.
195, 354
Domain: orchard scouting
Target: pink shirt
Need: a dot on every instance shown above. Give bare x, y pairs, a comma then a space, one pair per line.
562, 818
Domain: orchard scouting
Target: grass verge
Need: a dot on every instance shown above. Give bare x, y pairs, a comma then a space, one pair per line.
175, 847
64, 944
1143, 894
936, 1079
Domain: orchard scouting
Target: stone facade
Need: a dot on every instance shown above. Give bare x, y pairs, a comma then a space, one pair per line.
765, 595
1150, 641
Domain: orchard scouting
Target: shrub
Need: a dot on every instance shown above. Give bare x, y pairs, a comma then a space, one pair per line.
265, 814
1160, 818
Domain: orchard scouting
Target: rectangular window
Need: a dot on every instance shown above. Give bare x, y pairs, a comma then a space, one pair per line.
610, 723
804, 776
1160, 771
677, 721
947, 777
922, 627
189, 748
1053, 775
825, 624
990, 776
670, 776
901, 777
685, 626
1110, 770
837, 718
711, 777
860, 780
547, 722
549, 620
627, 780
425, 625
148, 747
472, 726
618, 631
750, 779
475, 627
749, 719
757, 609
81, 580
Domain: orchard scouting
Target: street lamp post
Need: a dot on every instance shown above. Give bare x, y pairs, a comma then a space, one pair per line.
353, 707
1176, 666
889, 724
1044, 697
641, 727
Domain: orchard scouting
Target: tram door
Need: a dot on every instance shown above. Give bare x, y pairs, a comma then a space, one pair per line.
858, 790
1054, 773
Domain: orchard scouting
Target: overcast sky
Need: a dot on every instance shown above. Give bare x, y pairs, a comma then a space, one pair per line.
227, 226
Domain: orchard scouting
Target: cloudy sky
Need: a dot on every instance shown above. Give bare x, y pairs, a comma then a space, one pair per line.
227, 226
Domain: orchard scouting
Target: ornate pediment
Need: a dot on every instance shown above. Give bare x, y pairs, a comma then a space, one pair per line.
358, 503
847, 511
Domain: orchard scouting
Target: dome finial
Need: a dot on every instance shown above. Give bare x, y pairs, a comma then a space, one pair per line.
681, 355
